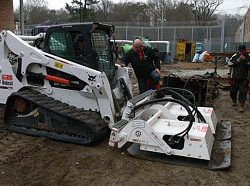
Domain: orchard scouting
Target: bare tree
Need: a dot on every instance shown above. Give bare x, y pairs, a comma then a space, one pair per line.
79, 11
140, 12
203, 10
62, 15
156, 8
182, 12
57, 16
37, 3
189, 11
169, 11
154, 11
104, 10
16, 13
36, 11
130, 12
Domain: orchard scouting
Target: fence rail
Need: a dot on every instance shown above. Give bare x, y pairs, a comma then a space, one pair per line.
212, 37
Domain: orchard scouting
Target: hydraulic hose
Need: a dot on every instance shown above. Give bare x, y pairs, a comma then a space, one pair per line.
215, 91
125, 88
195, 109
179, 96
194, 76
190, 115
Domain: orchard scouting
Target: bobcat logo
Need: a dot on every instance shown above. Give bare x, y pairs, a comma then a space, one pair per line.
138, 133
91, 78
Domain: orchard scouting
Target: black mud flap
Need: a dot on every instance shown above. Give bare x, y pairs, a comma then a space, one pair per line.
220, 158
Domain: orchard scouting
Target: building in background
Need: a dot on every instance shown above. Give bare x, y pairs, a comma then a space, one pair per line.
244, 29
6, 15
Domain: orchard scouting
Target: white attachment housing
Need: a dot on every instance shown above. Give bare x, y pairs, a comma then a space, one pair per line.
207, 112
198, 143
152, 126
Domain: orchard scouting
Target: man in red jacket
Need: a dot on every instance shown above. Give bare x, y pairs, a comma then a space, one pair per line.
145, 63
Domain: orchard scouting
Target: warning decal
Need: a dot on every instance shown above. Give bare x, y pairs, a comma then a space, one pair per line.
7, 77
58, 65
193, 139
113, 136
7, 80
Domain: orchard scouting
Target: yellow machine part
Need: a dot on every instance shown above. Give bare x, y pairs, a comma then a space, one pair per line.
185, 51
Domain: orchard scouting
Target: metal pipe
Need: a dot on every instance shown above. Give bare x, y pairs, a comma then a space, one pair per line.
80, 11
243, 28
222, 35
32, 38
21, 17
162, 42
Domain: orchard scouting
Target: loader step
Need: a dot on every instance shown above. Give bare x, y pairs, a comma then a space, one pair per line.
50, 118
220, 157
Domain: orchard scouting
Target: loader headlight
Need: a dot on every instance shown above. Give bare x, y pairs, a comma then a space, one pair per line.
106, 119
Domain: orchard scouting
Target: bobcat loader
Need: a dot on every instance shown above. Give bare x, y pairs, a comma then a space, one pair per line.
63, 92
69, 89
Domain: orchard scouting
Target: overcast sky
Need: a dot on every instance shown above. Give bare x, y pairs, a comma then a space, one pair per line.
228, 6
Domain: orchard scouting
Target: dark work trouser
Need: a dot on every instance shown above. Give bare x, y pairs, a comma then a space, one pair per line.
154, 76
242, 87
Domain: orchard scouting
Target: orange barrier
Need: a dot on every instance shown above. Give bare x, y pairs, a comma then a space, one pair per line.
207, 58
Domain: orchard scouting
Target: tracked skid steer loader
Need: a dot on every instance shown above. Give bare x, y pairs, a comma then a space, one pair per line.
68, 88
71, 90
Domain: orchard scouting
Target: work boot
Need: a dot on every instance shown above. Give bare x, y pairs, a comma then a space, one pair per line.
241, 107
234, 103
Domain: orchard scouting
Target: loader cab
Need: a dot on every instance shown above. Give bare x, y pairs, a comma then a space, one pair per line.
86, 44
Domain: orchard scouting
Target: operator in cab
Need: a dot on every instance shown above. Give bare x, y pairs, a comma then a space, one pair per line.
80, 47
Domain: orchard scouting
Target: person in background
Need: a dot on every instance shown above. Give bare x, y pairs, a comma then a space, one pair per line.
145, 63
240, 63
116, 51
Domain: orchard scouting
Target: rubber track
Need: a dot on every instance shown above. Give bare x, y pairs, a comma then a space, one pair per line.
90, 118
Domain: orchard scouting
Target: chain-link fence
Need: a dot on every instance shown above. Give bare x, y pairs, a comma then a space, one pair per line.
216, 38
219, 37
27, 32
213, 38
209, 36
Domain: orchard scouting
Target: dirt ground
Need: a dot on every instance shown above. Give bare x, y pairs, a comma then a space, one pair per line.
26, 160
